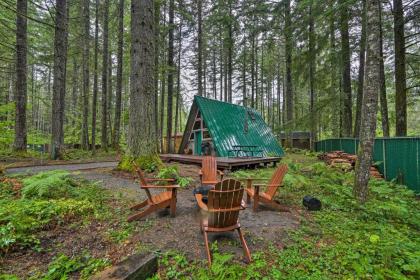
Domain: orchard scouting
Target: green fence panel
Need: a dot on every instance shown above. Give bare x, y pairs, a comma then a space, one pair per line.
397, 158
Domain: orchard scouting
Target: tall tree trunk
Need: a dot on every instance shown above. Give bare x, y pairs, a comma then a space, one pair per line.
86, 77
345, 60
244, 94
118, 91
141, 140
361, 72
105, 58
59, 83
230, 52
169, 146
336, 121
200, 47
382, 93
312, 54
156, 74
370, 101
288, 54
95, 77
21, 76
400, 75
252, 69
178, 79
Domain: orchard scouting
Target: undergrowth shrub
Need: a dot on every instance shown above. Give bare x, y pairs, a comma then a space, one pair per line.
171, 172
21, 219
147, 163
63, 266
49, 184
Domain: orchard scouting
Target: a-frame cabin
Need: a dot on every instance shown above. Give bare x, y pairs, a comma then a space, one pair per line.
223, 126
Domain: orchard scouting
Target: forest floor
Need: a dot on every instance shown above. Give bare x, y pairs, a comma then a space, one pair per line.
341, 240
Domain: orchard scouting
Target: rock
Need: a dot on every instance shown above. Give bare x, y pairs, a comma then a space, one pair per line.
135, 267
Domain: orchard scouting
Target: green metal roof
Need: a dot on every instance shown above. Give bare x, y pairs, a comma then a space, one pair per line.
227, 126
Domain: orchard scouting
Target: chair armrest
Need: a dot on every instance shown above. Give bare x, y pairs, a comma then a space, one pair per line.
201, 204
160, 187
160, 180
220, 172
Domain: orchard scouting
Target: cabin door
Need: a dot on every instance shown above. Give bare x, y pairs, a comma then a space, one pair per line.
198, 137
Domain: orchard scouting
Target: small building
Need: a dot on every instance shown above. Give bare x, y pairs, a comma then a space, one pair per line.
297, 139
222, 126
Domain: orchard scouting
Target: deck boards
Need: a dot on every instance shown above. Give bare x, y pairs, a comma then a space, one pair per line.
223, 162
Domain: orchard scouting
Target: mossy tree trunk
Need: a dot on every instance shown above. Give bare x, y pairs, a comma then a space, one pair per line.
141, 140
370, 101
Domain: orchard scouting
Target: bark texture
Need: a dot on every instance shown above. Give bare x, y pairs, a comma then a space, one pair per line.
59, 83
382, 93
200, 47
346, 79
86, 77
141, 140
288, 54
118, 92
400, 75
171, 66
362, 52
95, 77
370, 101
104, 103
21, 76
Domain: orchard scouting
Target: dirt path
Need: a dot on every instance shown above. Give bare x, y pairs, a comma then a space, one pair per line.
69, 167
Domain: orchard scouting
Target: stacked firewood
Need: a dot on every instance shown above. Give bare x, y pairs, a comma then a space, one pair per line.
346, 162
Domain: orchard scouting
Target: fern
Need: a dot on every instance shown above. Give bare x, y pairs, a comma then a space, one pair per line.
50, 184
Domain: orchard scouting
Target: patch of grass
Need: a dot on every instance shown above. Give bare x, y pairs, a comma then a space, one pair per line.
345, 240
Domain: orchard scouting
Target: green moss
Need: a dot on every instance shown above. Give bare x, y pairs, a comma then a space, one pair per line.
149, 163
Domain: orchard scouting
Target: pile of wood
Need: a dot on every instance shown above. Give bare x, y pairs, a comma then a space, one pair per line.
346, 162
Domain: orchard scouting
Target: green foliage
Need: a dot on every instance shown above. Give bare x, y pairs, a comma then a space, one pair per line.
62, 267
345, 240
122, 233
49, 184
21, 219
49, 198
147, 163
171, 172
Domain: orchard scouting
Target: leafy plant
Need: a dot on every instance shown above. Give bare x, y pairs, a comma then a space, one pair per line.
171, 172
62, 266
49, 184
146, 163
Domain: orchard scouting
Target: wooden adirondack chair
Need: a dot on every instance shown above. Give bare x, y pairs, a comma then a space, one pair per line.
155, 202
208, 172
223, 206
267, 197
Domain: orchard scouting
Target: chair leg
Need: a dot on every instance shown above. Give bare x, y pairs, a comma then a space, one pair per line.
206, 242
139, 206
173, 203
256, 202
141, 214
248, 199
244, 245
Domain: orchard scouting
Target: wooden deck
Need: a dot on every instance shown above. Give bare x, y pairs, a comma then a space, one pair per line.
224, 162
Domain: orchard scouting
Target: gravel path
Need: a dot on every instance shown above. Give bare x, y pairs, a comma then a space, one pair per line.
69, 167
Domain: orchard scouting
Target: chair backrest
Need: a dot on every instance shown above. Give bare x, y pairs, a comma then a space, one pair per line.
143, 181
276, 180
224, 203
209, 169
